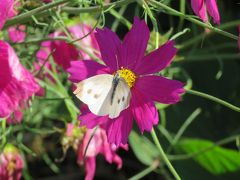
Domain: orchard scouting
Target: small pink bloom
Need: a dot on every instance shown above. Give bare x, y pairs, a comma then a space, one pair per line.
201, 7
17, 33
146, 87
64, 52
98, 145
17, 84
11, 164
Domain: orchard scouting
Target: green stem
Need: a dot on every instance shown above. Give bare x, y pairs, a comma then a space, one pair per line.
214, 99
182, 10
196, 39
164, 156
76, 10
4, 138
18, 19
145, 171
183, 128
193, 20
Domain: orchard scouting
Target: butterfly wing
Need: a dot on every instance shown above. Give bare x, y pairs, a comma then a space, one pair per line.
94, 92
120, 99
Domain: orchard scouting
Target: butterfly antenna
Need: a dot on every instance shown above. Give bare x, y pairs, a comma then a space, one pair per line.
93, 133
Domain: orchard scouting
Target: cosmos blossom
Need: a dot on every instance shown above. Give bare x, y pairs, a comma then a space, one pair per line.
138, 70
201, 7
80, 139
17, 84
11, 163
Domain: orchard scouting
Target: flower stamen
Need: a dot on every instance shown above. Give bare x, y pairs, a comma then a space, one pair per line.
127, 75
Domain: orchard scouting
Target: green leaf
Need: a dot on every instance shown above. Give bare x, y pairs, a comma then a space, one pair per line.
215, 159
144, 149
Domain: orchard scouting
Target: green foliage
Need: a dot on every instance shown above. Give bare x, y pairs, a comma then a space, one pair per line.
215, 159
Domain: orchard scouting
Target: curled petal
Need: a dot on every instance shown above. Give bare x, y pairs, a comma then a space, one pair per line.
90, 168
157, 60
144, 110
80, 70
161, 89
212, 9
199, 9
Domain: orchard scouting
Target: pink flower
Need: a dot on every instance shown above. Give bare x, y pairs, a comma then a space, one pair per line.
80, 139
200, 8
17, 85
64, 52
145, 87
98, 145
6, 11
17, 33
11, 163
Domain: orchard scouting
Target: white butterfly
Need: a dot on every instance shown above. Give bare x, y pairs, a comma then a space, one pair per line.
104, 94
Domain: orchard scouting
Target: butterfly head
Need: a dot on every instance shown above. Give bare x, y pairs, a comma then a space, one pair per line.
126, 74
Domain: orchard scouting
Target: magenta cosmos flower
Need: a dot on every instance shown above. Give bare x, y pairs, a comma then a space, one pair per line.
17, 85
138, 70
11, 163
201, 7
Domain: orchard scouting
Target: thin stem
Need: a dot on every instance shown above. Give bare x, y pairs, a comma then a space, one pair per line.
18, 19
4, 138
146, 171
193, 20
198, 38
204, 150
164, 156
214, 99
182, 10
184, 127
76, 10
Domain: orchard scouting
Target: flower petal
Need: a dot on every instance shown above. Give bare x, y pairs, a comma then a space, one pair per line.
161, 89
118, 129
144, 110
6, 11
157, 60
213, 10
135, 43
109, 44
17, 33
89, 119
199, 9
17, 85
90, 167
80, 70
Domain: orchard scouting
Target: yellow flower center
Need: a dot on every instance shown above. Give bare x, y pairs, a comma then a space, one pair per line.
127, 75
